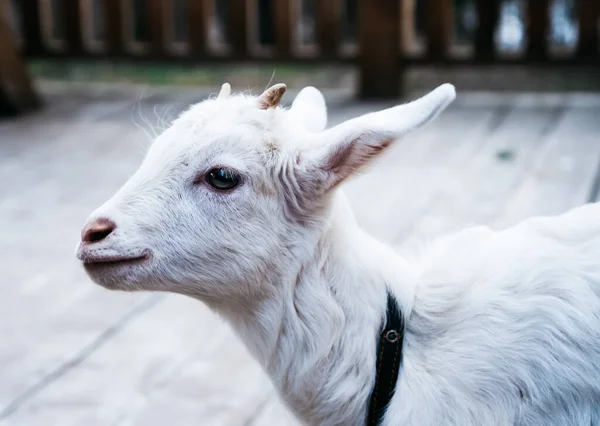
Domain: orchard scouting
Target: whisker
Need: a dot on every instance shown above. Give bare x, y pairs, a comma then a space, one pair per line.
137, 105
271, 80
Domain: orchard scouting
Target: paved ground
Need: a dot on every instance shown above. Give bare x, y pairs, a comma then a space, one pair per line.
74, 354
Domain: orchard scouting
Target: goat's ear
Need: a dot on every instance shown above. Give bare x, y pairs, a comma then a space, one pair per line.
345, 148
309, 109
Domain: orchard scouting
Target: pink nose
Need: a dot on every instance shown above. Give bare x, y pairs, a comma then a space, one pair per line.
97, 230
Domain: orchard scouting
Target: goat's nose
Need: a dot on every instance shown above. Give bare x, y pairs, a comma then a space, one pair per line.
97, 230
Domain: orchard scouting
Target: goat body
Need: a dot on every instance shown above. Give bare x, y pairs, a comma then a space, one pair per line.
238, 205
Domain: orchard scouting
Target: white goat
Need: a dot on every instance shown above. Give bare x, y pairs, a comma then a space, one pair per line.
238, 204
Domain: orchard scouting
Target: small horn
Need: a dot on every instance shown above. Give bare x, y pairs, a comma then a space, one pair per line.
225, 91
272, 96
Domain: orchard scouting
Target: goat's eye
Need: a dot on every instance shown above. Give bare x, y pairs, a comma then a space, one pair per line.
222, 179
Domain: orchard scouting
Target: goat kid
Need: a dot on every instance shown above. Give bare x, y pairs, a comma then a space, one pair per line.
238, 204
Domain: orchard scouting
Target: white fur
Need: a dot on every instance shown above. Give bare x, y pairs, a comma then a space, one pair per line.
502, 328
309, 108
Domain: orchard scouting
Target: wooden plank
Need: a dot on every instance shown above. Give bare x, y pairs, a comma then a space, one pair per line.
538, 18
453, 146
284, 26
188, 368
73, 27
506, 160
113, 26
415, 167
49, 358
32, 30
17, 94
237, 26
198, 25
589, 15
564, 171
219, 383
157, 12
378, 34
488, 13
117, 380
52, 286
476, 189
438, 22
327, 21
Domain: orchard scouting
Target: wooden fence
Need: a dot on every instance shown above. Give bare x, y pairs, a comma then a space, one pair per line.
187, 31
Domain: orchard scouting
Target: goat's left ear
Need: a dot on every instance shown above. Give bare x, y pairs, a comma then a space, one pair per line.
309, 109
347, 147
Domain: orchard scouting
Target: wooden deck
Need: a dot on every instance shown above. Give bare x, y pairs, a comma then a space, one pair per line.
72, 353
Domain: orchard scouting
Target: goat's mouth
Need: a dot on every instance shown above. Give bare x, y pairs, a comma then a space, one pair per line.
115, 269
100, 261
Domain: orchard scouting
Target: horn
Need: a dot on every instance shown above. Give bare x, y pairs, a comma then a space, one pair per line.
272, 96
225, 91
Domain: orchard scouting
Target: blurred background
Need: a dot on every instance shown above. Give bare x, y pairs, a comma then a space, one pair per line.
85, 85
374, 50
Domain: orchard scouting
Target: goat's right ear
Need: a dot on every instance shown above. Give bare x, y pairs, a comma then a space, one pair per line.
309, 109
347, 147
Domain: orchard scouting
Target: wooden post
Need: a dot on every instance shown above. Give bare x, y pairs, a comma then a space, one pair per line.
16, 91
378, 34
73, 33
156, 26
198, 25
538, 18
32, 30
328, 26
283, 27
589, 14
488, 13
407, 24
113, 26
237, 26
439, 15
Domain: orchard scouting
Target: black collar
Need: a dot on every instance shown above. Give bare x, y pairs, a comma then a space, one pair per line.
389, 358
